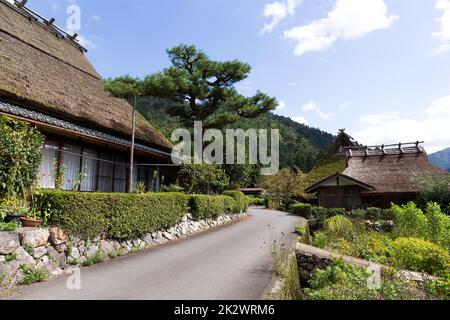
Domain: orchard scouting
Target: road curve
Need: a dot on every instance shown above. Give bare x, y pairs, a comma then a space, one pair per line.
233, 262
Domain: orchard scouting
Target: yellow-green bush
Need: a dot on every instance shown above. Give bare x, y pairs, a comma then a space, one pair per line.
339, 227
420, 255
302, 210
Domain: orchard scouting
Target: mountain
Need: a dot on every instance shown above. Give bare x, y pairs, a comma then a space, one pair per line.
441, 159
300, 146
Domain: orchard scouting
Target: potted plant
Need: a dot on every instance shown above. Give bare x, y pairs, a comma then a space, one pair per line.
39, 214
12, 210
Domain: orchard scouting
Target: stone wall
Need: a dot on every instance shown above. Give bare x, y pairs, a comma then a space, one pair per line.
53, 250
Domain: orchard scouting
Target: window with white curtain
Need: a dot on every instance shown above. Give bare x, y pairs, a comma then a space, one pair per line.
105, 171
71, 156
89, 169
120, 175
49, 158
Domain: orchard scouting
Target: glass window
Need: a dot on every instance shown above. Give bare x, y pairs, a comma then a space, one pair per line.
120, 175
105, 171
89, 169
49, 158
71, 156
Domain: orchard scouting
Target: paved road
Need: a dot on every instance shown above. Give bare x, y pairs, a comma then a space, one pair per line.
233, 262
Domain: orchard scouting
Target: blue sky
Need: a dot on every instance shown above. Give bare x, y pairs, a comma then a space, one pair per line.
379, 68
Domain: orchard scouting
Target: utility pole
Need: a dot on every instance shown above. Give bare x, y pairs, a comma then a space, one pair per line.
130, 187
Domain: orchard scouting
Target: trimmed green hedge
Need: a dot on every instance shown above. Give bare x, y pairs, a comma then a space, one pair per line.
120, 216
256, 201
241, 201
204, 206
302, 210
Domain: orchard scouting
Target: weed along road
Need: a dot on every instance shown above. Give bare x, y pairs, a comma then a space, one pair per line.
233, 262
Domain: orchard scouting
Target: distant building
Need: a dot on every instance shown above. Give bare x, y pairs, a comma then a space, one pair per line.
375, 176
46, 80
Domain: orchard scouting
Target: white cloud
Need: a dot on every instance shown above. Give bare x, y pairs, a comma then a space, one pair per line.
300, 120
281, 106
96, 18
430, 126
86, 43
350, 19
278, 11
345, 105
313, 107
444, 34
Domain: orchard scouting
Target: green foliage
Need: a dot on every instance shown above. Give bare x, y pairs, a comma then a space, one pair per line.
440, 288
125, 87
253, 201
420, 255
341, 281
8, 227
203, 178
339, 227
432, 225
286, 184
10, 257
33, 275
140, 188
172, 188
435, 189
122, 216
204, 206
319, 213
302, 210
20, 156
241, 202
96, 258
203, 90
409, 221
135, 215
304, 233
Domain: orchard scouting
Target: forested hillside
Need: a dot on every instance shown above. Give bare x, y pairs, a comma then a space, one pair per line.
300, 146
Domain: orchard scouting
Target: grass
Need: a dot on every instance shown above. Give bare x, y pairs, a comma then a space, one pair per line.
8, 227
10, 257
117, 253
33, 275
97, 258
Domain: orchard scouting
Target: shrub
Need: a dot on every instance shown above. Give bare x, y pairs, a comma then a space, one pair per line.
373, 214
256, 201
135, 215
420, 255
302, 210
319, 213
436, 189
331, 212
204, 206
339, 227
33, 275
122, 216
409, 221
438, 225
241, 201
304, 233
20, 156
341, 281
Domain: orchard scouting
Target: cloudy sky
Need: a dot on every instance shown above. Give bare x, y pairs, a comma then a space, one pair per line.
379, 68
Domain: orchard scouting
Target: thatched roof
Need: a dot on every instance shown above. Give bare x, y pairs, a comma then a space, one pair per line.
48, 74
338, 179
390, 170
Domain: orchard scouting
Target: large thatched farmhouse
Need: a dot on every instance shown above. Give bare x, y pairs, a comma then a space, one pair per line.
46, 79
371, 176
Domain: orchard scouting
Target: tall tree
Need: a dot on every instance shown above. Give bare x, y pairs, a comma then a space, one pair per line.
203, 89
128, 88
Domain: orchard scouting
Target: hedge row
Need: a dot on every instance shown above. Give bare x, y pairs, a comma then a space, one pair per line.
309, 211
203, 206
241, 201
127, 216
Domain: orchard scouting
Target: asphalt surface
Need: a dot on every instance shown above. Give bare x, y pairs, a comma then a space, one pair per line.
232, 262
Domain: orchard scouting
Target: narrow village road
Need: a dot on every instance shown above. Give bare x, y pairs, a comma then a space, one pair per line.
233, 262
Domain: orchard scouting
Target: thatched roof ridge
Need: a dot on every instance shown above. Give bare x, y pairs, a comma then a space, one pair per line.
45, 73
393, 172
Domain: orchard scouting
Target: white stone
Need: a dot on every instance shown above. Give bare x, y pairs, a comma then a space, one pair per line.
39, 252
23, 257
50, 266
9, 242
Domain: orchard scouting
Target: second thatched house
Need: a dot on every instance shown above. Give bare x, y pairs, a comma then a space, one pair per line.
375, 177
46, 79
